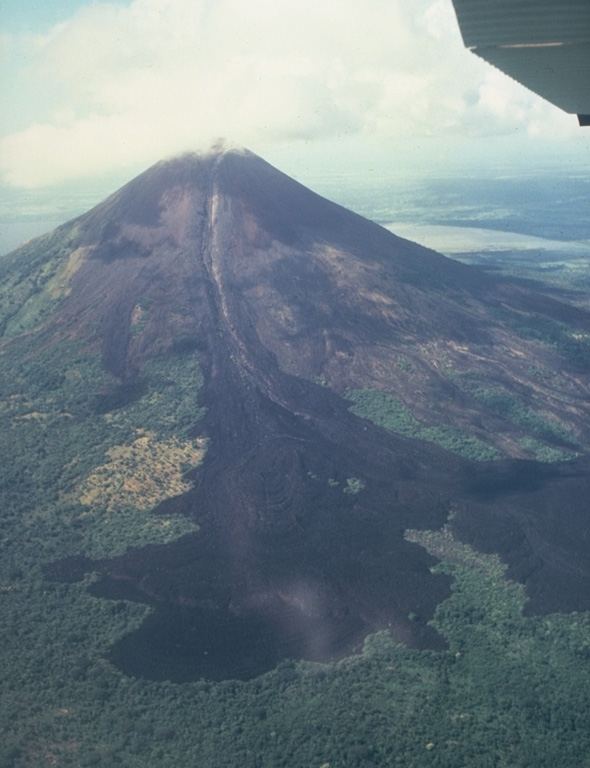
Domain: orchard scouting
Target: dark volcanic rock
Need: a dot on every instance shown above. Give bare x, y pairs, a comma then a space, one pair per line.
290, 301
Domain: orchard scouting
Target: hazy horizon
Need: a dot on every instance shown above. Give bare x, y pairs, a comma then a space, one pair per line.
95, 92
452, 213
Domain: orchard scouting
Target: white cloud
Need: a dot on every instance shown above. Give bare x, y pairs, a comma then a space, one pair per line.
132, 83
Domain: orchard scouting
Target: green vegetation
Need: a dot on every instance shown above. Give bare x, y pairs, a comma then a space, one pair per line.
59, 434
405, 364
570, 342
547, 440
387, 411
511, 408
33, 280
353, 485
540, 451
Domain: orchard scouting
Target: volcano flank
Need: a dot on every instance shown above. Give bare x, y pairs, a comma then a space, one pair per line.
348, 385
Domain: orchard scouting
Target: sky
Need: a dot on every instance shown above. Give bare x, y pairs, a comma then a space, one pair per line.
94, 92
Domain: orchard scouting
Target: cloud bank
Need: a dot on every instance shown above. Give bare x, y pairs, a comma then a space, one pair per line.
128, 84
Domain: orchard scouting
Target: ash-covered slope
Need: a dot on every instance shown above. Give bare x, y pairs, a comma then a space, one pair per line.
305, 319
329, 297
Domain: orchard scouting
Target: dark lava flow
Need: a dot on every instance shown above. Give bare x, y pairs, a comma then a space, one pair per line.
286, 563
294, 567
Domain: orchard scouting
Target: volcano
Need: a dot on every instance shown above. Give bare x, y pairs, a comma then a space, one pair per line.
348, 385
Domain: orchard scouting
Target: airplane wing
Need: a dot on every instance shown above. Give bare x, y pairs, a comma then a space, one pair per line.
544, 44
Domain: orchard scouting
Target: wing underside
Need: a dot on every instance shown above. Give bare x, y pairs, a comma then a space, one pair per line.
543, 44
